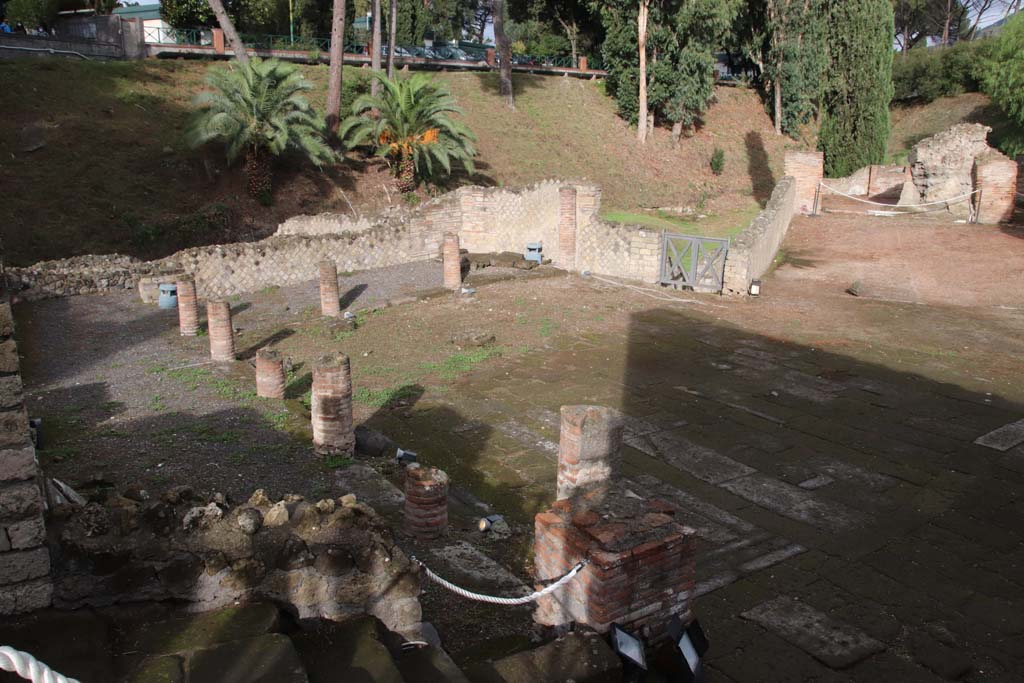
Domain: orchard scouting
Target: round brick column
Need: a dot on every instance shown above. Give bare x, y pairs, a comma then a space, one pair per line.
332, 405
452, 261
188, 307
426, 501
270, 379
222, 334
329, 296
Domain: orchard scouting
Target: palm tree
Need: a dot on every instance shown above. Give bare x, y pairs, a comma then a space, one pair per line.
414, 125
258, 107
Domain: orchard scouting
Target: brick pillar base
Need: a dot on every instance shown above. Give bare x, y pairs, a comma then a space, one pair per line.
452, 259
188, 307
426, 501
995, 177
641, 571
270, 379
567, 227
588, 450
330, 298
222, 334
332, 406
808, 168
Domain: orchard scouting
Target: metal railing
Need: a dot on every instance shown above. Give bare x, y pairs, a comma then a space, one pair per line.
263, 41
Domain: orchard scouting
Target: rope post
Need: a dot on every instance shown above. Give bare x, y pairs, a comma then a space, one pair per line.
977, 208
817, 200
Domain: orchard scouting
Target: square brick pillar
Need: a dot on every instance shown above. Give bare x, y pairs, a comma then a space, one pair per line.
451, 258
808, 168
567, 227
642, 564
24, 558
588, 450
218, 40
995, 176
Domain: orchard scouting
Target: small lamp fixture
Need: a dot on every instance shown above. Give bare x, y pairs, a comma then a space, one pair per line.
404, 457
631, 650
692, 644
755, 288
487, 522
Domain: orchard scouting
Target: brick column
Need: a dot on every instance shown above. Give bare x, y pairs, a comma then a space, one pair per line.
188, 307
808, 168
332, 405
995, 175
24, 559
490, 57
567, 227
588, 451
270, 379
222, 334
452, 259
583, 63
218, 41
330, 304
426, 501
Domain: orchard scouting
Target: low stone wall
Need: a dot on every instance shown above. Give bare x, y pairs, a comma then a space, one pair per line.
627, 251
24, 560
753, 250
18, 46
333, 559
872, 181
486, 220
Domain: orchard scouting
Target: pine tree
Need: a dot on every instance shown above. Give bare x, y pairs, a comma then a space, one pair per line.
855, 103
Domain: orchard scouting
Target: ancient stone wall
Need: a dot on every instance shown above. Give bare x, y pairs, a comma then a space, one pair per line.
887, 180
753, 250
808, 169
24, 560
333, 559
995, 179
941, 166
627, 251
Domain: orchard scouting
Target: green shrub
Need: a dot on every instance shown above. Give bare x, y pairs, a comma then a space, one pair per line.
1004, 81
927, 74
718, 161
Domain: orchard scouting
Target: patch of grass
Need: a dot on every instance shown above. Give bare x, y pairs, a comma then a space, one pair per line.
270, 289
548, 327
379, 398
462, 362
193, 378
278, 419
157, 404
378, 371
156, 369
336, 462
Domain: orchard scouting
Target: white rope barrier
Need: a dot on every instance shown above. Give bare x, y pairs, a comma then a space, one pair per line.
901, 206
503, 601
29, 668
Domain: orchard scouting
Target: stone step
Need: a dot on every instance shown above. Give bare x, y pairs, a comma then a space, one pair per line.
429, 665
348, 652
582, 657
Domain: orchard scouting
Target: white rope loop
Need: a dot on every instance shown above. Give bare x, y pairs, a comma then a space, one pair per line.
503, 601
29, 668
951, 200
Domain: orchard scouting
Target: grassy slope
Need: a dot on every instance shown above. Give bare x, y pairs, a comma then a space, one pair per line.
114, 174
913, 123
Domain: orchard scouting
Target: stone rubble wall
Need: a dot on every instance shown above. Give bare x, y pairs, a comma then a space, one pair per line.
753, 250
24, 560
941, 167
334, 559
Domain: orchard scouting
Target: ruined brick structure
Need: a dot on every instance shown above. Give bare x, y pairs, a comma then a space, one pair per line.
270, 375
808, 169
331, 405
641, 558
24, 560
221, 331
426, 501
330, 298
995, 177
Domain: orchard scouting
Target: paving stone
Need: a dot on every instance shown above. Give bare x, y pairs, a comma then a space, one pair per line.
264, 659
352, 652
690, 457
794, 502
164, 669
1004, 438
578, 657
948, 662
194, 631
815, 483
832, 642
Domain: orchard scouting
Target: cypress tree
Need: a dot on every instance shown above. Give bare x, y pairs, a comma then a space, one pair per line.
855, 126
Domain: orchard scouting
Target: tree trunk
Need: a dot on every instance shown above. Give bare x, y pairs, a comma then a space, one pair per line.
375, 54
641, 31
392, 28
504, 53
677, 131
572, 32
258, 175
234, 42
946, 23
406, 173
337, 56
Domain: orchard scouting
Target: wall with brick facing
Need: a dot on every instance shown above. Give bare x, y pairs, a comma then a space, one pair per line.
753, 250
888, 180
995, 176
808, 169
24, 559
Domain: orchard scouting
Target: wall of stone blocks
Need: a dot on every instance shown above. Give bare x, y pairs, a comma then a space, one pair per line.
500, 219
24, 559
995, 177
808, 169
753, 250
632, 252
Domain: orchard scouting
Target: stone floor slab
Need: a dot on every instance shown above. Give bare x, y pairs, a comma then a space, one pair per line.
266, 659
828, 640
1004, 438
